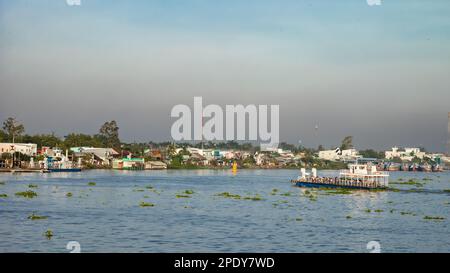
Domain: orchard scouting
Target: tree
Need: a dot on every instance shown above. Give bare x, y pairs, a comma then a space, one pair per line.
109, 133
370, 153
49, 140
3, 136
82, 140
347, 143
13, 128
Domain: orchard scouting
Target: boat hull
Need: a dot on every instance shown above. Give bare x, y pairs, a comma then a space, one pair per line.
325, 185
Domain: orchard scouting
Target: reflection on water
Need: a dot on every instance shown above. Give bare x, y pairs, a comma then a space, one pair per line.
107, 217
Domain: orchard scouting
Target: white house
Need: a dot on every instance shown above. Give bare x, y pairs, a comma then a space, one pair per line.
408, 154
29, 149
338, 154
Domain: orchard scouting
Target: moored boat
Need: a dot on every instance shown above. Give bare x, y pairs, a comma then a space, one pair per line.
393, 167
425, 167
437, 168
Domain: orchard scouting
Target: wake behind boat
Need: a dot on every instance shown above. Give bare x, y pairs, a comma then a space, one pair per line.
357, 176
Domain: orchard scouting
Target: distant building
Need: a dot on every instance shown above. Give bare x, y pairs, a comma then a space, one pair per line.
155, 165
101, 156
338, 154
407, 154
128, 164
29, 149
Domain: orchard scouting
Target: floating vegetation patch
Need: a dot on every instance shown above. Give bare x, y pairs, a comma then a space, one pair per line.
409, 182
182, 196
439, 218
138, 190
2, 183
446, 190
32, 186
340, 191
189, 192
3, 195
310, 195
286, 194
274, 191
254, 198
379, 210
348, 217
69, 194
146, 196
257, 197
368, 210
229, 195
48, 234
26, 194
298, 219
35, 217
145, 204
427, 179
407, 213
149, 187
92, 184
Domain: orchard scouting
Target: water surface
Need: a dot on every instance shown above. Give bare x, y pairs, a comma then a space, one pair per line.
107, 217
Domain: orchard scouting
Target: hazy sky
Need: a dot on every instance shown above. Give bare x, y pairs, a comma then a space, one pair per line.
379, 73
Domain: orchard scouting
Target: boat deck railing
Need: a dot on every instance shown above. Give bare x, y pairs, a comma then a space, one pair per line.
345, 182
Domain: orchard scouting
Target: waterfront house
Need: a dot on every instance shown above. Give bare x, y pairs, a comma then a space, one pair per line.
408, 154
338, 154
154, 154
29, 149
198, 159
98, 156
155, 165
128, 163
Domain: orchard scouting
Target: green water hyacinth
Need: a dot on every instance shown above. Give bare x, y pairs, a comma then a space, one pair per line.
69, 194
26, 194
48, 234
189, 192
433, 218
253, 198
182, 196
32, 186
34, 217
145, 204
229, 195
92, 184
3, 195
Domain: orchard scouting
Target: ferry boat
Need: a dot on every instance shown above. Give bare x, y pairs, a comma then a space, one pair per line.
357, 176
